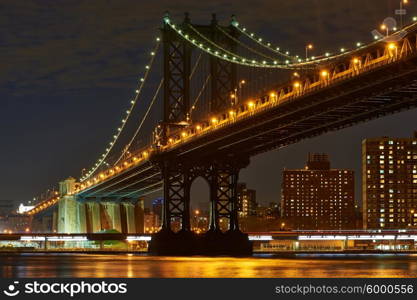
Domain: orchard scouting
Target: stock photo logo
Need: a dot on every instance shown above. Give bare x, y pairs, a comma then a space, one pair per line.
71, 289
11, 290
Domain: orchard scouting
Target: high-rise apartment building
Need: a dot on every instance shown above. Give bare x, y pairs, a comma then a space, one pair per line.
318, 197
246, 199
389, 183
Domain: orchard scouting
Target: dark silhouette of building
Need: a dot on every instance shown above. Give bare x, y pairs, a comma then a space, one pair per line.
157, 207
318, 197
246, 200
389, 183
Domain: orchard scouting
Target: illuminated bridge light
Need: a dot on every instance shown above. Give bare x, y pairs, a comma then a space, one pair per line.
138, 238
260, 237
32, 238
371, 237
67, 238
324, 73
392, 46
322, 237
407, 237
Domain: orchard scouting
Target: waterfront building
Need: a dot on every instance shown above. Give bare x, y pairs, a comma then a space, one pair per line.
389, 182
318, 197
246, 199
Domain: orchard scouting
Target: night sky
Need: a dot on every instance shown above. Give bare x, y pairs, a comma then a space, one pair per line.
68, 68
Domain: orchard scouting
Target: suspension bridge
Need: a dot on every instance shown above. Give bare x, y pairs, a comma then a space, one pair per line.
220, 100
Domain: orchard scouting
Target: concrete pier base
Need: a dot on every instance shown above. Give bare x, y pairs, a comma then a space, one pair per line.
166, 242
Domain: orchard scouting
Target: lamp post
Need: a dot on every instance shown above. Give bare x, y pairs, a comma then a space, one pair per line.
237, 93
308, 47
402, 12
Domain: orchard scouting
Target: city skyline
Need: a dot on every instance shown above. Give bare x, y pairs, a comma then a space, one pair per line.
78, 100
177, 139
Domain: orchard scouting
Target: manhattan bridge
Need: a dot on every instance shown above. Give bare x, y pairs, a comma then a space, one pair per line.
224, 95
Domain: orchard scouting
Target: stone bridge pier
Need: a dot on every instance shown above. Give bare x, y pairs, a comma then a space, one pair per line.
74, 215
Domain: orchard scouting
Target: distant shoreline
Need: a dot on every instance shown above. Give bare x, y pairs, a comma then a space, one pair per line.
280, 253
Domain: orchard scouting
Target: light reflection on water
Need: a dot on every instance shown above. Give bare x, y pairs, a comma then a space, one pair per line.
128, 265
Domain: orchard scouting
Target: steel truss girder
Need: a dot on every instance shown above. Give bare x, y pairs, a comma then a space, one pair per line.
242, 137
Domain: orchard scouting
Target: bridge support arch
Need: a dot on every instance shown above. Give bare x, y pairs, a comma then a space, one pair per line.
222, 177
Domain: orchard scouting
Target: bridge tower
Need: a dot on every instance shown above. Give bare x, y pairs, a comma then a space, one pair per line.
177, 71
178, 174
223, 74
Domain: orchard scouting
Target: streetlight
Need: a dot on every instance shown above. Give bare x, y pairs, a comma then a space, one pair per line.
236, 94
308, 47
296, 85
386, 28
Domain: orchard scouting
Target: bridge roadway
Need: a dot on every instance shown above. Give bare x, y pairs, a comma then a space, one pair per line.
375, 81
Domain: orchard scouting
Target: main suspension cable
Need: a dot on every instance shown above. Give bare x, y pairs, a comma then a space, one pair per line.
126, 149
260, 40
244, 45
199, 95
232, 57
133, 102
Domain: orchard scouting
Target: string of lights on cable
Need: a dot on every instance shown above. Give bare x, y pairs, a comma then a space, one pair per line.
295, 62
138, 129
133, 102
246, 46
226, 55
261, 41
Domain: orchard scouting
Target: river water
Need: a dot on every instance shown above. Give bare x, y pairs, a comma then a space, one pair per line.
257, 266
